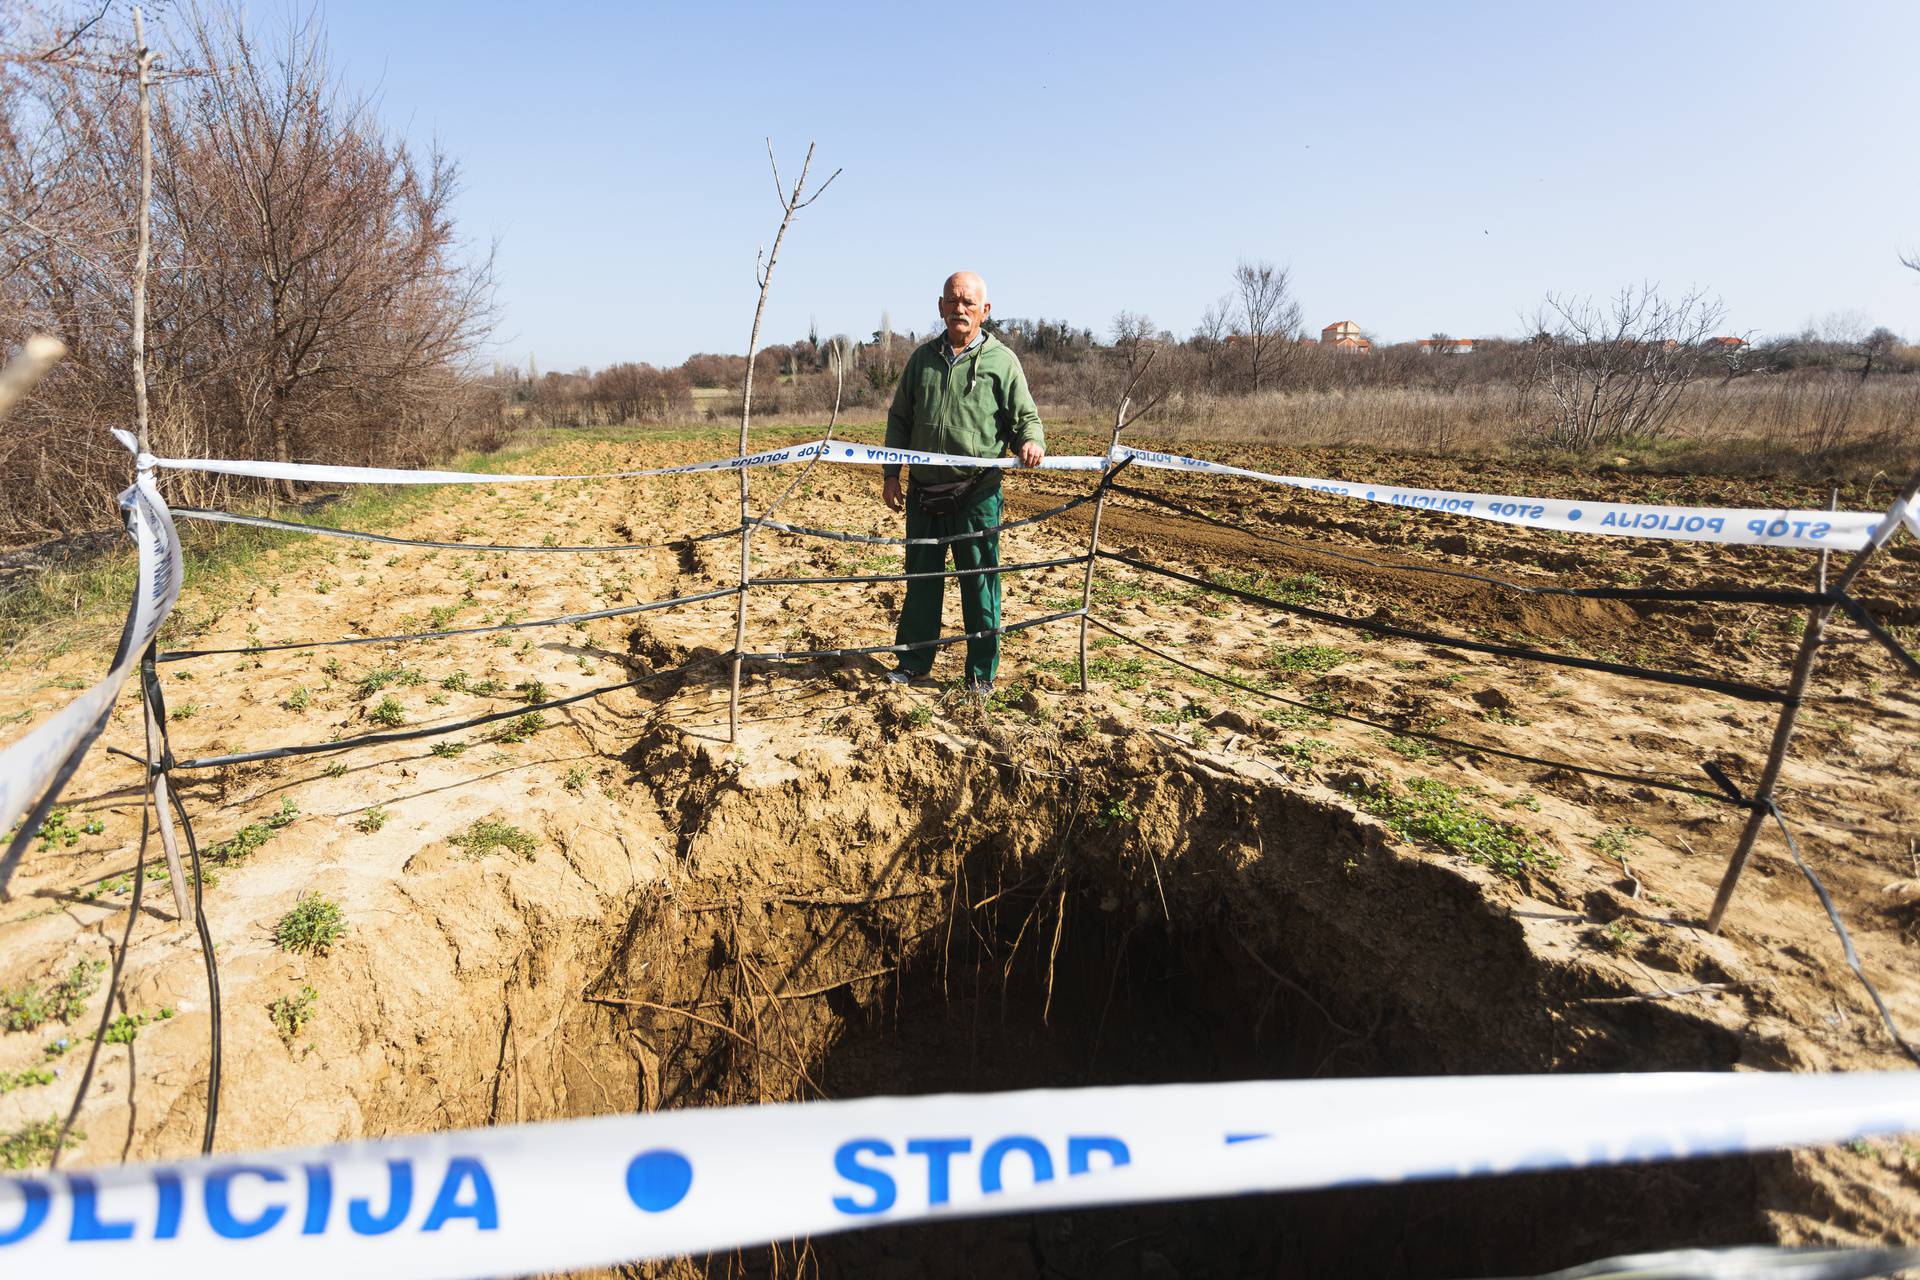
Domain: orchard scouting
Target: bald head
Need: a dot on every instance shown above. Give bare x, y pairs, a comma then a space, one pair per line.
964, 307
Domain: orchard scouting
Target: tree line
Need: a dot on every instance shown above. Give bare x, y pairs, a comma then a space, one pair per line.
309, 297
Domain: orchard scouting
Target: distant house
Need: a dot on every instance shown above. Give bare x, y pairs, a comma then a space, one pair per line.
1725, 344
1446, 346
1307, 342
1344, 335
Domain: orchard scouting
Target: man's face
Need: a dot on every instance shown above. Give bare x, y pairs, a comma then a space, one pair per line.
964, 307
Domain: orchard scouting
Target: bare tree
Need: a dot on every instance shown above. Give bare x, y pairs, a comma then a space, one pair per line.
1269, 316
1618, 370
1134, 337
308, 295
1210, 337
791, 203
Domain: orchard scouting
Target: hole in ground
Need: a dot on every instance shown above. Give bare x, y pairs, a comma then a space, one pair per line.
919, 923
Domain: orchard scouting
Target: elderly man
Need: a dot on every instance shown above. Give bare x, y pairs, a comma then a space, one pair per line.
962, 393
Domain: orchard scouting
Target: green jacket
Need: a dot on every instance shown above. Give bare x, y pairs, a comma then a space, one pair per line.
977, 407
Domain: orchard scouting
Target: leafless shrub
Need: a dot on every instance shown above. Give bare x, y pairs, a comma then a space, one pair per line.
1618, 370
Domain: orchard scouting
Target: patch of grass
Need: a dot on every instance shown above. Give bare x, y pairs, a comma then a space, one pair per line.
1297, 588
1305, 659
388, 712
533, 690
291, 1014
1306, 752
299, 700
1618, 936
373, 819
920, 717
1114, 812
1616, 842
489, 834
58, 831
1525, 800
576, 779
1121, 673
312, 926
1433, 813
123, 1029
521, 727
33, 1144
378, 678
448, 750
24, 1078
115, 885
28, 1008
183, 711
1295, 718
1413, 748
247, 841
338, 769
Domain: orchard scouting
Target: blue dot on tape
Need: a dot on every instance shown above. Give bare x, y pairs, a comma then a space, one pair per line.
658, 1180
849, 453
1369, 495
1574, 514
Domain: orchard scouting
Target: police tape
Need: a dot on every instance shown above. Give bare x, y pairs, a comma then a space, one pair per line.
40, 762
597, 1192
1776, 527
837, 451
1750, 526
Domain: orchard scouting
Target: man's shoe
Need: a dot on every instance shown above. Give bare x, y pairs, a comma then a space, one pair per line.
980, 688
900, 675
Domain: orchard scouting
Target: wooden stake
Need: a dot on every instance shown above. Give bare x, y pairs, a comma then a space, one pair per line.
1789, 716
156, 779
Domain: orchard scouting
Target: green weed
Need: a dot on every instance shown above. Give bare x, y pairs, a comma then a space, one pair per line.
1616, 842
126, 1026
24, 1078
1433, 813
388, 712
372, 820
58, 831
1305, 659
291, 1014
312, 926
28, 1008
33, 1144
247, 841
488, 834
521, 727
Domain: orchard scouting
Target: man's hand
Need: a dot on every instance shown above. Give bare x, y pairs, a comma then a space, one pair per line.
890, 492
1031, 454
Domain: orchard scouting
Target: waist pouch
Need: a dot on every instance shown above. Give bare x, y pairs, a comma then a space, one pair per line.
951, 498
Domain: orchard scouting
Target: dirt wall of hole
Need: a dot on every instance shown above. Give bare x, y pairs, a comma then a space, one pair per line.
921, 914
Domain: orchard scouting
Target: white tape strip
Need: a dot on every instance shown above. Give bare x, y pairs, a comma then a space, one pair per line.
582, 1193
28, 766
1750, 526
835, 451
1836, 530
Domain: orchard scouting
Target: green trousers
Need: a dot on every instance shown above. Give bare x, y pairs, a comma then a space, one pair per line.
979, 593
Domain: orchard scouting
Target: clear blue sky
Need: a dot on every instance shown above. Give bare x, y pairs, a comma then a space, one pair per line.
1420, 166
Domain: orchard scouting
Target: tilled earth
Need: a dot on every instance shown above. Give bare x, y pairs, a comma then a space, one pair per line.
1607, 880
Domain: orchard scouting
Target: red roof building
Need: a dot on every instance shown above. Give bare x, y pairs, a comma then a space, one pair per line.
1345, 335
